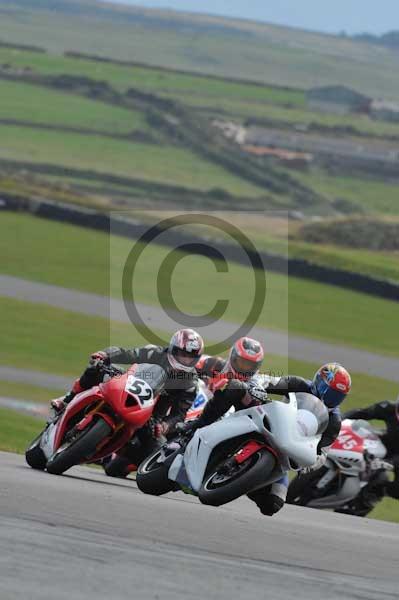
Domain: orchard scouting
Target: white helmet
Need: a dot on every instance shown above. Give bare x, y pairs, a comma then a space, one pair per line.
185, 349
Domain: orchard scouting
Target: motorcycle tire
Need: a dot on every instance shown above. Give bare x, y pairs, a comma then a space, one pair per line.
219, 488
355, 508
301, 489
117, 467
80, 449
152, 477
34, 455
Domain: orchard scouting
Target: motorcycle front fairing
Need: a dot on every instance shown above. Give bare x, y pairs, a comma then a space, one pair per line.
371, 436
55, 430
54, 433
292, 432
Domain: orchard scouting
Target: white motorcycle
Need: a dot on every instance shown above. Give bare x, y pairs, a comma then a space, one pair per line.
353, 477
236, 455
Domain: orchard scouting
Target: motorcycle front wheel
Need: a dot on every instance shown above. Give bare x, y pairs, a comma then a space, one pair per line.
230, 480
80, 449
152, 476
34, 455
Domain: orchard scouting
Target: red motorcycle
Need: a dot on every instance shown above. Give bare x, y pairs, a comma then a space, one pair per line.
98, 421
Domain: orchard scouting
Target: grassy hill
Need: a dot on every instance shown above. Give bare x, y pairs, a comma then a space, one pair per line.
133, 102
215, 45
115, 132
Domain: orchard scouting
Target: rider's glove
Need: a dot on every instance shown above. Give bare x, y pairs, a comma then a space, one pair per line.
257, 393
187, 426
320, 462
160, 429
98, 359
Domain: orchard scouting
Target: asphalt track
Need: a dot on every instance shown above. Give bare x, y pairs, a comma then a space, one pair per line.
279, 343
86, 537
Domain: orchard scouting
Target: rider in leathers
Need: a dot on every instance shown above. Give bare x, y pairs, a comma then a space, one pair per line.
389, 413
241, 395
180, 388
244, 360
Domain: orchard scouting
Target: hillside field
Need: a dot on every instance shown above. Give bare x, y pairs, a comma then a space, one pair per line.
79, 134
202, 44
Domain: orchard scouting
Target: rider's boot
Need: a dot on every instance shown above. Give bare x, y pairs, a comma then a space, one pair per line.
59, 404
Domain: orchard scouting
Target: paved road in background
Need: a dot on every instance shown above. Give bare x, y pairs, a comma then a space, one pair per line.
35, 409
34, 378
279, 343
86, 537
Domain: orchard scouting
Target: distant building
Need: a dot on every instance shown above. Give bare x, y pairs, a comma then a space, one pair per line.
337, 99
384, 111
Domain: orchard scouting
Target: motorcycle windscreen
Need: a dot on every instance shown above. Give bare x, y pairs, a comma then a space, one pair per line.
312, 414
365, 429
154, 375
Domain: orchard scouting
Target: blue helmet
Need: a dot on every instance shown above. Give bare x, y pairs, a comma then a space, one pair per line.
331, 384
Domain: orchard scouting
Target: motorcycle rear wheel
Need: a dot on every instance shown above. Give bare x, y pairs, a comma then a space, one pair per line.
220, 489
80, 449
34, 455
152, 476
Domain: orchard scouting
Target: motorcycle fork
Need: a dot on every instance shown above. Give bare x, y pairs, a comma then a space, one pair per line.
97, 410
89, 416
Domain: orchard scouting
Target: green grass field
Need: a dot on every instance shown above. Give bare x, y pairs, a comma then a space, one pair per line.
54, 108
379, 264
297, 115
207, 44
281, 236
374, 195
158, 81
240, 100
16, 430
62, 340
10, 389
165, 164
384, 265
311, 309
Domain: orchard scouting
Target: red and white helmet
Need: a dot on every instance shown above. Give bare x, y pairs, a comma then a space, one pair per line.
246, 356
185, 349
